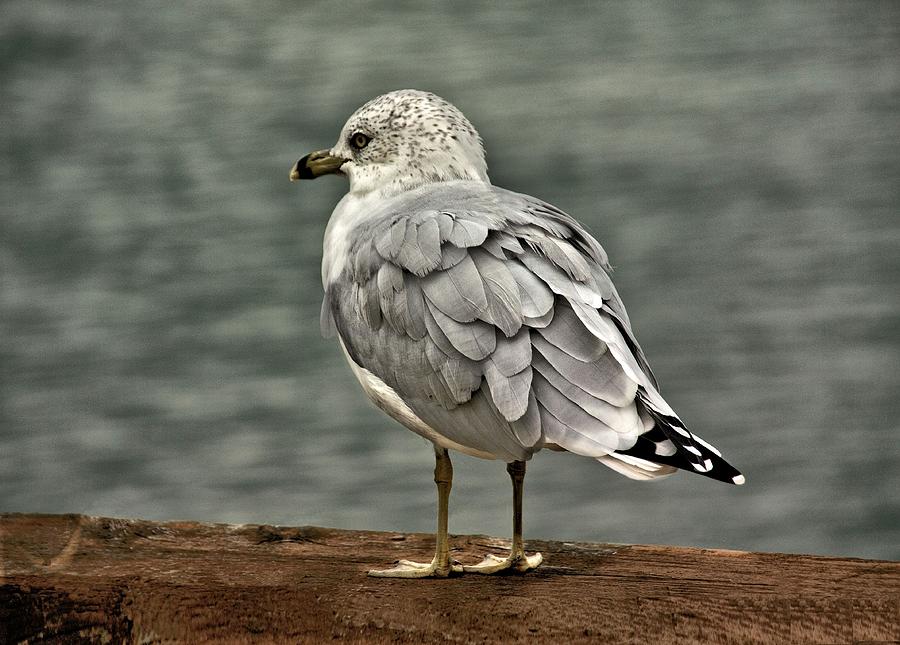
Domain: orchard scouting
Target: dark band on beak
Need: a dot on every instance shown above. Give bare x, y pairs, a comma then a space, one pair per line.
316, 164
301, 170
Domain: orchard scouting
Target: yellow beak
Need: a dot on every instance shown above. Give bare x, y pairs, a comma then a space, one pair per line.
316, 164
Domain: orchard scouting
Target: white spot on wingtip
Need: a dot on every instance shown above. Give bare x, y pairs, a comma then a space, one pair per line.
704, 467
665, 448
708, 446
738, 479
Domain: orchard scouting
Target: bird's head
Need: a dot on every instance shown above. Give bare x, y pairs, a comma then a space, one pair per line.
399, 141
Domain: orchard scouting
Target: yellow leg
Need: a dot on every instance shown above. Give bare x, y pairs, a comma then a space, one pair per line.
441, 566
517, 560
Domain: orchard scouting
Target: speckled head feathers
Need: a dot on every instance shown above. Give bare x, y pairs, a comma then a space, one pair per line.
409, 138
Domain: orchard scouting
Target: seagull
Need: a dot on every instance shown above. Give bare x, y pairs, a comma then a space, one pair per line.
482, 319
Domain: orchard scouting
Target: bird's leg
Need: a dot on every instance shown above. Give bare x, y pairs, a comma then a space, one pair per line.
441, 566
517, 560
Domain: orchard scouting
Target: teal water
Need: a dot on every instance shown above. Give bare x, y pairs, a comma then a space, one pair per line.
159, 345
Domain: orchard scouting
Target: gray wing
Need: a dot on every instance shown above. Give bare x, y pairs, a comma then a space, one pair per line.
493, 316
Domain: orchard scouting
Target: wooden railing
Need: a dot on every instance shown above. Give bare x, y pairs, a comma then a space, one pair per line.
70, 578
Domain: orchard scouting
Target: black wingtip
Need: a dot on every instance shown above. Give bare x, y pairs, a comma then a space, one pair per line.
692, 454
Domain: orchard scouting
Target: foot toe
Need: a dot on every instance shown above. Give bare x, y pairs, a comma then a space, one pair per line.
410, 569
494, 564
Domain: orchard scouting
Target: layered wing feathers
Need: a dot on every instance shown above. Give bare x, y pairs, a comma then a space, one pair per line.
497, 322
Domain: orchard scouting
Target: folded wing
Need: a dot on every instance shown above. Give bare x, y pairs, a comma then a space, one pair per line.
497, 323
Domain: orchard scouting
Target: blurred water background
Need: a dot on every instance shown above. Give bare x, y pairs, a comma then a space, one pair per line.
159, 346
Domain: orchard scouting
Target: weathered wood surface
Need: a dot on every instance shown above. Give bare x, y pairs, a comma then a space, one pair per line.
88, 579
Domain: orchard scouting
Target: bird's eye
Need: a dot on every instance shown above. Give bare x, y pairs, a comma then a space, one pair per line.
359, 140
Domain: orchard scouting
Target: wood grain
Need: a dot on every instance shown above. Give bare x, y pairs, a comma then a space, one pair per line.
90, 579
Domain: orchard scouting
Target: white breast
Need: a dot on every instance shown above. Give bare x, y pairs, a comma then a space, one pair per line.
336, 245
349, 213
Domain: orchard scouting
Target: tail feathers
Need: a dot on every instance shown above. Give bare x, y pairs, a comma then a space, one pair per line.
636, 468
669, 443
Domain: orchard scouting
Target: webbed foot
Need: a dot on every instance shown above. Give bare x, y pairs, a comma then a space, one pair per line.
519, 563
410, 569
